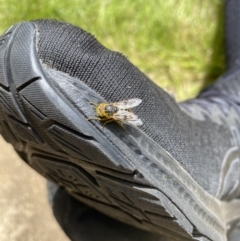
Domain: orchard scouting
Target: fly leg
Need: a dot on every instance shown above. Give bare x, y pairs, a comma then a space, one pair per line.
107, 121
121, 124
94, 104
94, 118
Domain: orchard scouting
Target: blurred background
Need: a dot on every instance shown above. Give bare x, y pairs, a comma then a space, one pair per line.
178, 44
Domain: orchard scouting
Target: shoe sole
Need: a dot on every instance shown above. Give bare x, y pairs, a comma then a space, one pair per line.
122, 173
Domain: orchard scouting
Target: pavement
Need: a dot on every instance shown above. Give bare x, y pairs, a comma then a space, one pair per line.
25, 214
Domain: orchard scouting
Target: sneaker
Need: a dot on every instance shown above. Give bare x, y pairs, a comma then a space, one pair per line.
176, 175
77, 220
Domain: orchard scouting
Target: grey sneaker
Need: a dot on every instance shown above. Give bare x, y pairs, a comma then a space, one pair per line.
176, 175
78, 220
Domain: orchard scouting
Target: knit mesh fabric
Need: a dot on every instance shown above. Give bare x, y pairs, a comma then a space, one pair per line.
199, 146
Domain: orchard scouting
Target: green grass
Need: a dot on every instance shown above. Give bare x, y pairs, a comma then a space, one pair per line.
178, 44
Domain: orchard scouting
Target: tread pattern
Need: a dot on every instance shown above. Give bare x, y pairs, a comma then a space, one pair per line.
58, 148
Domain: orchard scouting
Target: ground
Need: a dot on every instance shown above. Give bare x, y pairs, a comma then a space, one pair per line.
24, 209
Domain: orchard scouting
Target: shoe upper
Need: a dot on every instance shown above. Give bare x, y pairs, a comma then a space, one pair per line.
203, 138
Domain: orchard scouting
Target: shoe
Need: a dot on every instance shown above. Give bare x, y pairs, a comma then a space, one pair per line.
77, 220
176, 175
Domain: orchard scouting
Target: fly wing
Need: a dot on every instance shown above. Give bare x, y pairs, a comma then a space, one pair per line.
128, 104
129, 117
137, 122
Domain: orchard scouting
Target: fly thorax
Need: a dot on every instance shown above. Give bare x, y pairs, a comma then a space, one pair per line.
111, 109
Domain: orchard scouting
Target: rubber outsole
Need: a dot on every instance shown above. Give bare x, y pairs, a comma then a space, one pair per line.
122, 173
